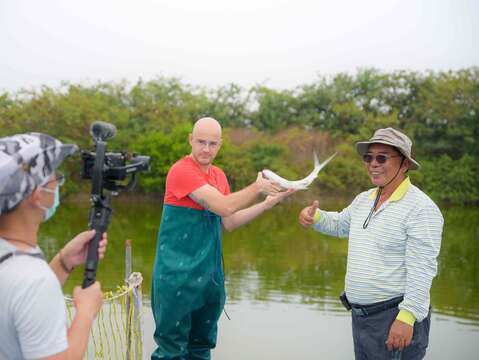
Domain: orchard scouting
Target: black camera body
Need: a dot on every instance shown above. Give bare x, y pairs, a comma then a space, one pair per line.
106, 170
117, 167
112, 160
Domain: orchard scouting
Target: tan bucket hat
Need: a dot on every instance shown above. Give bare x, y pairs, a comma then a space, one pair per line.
392, 137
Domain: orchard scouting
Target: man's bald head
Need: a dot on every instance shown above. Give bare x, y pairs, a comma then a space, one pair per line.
207, 125
205, 141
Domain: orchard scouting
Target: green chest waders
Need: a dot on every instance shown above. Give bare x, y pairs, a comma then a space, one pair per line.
188, 294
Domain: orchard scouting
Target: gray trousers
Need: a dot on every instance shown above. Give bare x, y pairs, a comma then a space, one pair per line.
371, 332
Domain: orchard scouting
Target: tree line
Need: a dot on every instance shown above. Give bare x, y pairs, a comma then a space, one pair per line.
274, 128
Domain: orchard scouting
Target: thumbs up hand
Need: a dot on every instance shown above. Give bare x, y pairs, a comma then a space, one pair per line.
312, 209
306, 216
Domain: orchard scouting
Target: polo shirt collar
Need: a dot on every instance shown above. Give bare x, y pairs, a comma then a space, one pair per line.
398, 194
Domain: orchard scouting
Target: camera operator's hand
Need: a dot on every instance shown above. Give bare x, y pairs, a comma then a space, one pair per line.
88, 301
75, 251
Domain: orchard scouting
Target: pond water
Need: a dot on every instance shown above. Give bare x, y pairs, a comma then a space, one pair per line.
283, 281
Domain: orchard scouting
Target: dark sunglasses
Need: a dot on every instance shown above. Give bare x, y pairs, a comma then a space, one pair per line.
380, 158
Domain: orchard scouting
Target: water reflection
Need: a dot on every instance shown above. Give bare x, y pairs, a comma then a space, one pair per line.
274, 260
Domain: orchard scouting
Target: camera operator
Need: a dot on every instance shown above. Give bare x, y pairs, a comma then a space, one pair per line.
33, 322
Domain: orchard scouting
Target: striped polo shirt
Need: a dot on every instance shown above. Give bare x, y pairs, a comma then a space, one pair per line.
396, 254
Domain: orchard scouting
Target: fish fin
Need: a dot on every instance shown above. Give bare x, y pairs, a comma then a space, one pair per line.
328, 159
325, 162
316, 160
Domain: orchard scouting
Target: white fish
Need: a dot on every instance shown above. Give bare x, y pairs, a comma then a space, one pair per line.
298, 184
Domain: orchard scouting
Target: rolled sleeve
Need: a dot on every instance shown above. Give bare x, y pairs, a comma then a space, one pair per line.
424, 232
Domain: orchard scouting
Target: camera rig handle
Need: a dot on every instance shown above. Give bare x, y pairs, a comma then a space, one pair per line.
100, 214
105, 170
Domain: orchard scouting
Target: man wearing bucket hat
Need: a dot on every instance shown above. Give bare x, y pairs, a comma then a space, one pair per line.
394, 233
33, 321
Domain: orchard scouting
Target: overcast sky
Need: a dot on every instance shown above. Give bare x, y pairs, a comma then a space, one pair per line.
279, 43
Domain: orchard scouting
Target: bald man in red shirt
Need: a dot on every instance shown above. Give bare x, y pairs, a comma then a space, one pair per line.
188, 293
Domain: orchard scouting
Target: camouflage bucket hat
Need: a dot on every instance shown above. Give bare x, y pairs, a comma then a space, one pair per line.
27, 161
392, 137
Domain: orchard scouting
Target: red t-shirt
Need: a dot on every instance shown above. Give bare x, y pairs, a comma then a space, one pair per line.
185, 176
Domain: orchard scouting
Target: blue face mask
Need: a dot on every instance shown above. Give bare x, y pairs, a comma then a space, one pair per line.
49, 212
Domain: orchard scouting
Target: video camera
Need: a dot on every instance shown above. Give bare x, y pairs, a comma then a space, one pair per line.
106, 170
115, 168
